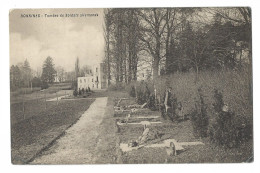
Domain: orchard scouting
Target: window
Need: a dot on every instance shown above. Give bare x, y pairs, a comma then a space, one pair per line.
97, 78
85, 80
80, 81
92, 80
96, 69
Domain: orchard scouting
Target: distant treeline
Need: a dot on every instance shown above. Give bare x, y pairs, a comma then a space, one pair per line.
22, 76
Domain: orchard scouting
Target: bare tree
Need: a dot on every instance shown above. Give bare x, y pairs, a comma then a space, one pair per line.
153, 26
60, 73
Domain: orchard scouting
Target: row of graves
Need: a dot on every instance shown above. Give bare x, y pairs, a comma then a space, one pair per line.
146, 135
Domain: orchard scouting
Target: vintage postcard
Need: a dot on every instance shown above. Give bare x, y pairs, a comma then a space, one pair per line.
131, 85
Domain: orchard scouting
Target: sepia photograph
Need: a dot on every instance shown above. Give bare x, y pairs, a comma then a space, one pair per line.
131, 85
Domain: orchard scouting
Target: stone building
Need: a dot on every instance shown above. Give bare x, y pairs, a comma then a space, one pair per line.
95, 80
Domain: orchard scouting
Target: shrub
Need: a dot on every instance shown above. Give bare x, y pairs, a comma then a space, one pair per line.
36, 82
132, 91
75, 92
227, 130
143, 93
151, 103
44, 85
199, 117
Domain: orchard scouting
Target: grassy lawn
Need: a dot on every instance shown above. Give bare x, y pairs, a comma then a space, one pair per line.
41, 126
25, 94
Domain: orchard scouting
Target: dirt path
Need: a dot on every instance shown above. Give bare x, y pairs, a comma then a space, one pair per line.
78, 145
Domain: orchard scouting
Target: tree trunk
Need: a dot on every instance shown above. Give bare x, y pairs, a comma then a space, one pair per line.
108, 58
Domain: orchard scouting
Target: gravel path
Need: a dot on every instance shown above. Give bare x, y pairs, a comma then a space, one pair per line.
78, 144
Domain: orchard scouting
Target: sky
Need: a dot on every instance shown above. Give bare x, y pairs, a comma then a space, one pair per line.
62, 38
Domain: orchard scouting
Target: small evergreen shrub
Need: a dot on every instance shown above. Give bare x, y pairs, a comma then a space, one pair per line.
225, 130
79, 93
132, 91
199, 117
151, 103
75, 92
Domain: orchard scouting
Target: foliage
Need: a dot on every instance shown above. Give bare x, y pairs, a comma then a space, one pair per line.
27, 74
44, 85
36, 82
235, 92
75, 92
151, 103
83, 91
171, 39
80, 92
20, 75
142, 92
200, 117
60, 73
15, 77
48, 71
225, 130
132, 91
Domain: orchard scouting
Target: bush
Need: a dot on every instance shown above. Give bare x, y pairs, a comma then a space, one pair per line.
151, 103
79, 93
44, 85
132, 91
143, 93
36, 82
75, 92
199, 117
227, 130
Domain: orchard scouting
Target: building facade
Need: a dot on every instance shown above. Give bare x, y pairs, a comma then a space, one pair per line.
95, 80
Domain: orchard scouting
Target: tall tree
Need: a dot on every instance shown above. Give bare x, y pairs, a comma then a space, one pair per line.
48, 71
60, 73
108, 17
152, 30
77, 68
132, 25
27, 73
15, 77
